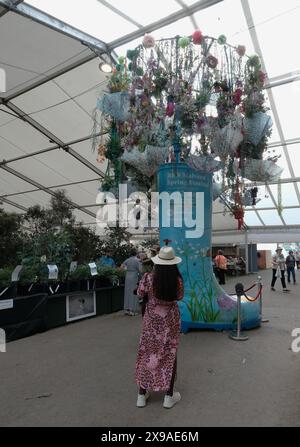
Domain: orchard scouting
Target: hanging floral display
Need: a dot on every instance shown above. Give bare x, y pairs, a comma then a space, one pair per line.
168, 96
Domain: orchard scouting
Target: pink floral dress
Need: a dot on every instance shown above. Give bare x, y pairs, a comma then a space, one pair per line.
159, 339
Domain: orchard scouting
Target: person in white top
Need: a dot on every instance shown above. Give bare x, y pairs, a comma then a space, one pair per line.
278, 264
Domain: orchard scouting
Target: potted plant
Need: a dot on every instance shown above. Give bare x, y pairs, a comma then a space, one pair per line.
79, 278
7, 289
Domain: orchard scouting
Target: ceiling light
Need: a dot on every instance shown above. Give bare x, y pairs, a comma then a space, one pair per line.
105, 67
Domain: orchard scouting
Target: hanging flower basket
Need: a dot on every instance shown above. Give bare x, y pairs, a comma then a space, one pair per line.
146, 162
257, 127
261, 170
227, 139
116, 105
204, 163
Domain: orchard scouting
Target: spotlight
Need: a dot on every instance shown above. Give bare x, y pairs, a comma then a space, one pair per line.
105, 67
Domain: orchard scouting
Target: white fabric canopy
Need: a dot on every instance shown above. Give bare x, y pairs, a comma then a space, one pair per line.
53, 82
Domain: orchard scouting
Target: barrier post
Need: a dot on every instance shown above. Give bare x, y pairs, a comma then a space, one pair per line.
260, 288
237, 334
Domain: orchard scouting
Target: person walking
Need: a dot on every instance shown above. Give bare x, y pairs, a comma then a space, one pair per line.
221, 265
297, 258
278, 264
132, 265
156, 363
290, 265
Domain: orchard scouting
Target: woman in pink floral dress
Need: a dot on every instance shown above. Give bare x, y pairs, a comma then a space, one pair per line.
156, 360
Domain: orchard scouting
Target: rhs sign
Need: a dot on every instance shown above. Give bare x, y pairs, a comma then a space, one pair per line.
2, 80
2, 340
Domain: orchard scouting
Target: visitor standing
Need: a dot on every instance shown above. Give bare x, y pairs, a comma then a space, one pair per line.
147, 269
107, 259
132, 265
290, 266
157, 355
278, 264
221, 265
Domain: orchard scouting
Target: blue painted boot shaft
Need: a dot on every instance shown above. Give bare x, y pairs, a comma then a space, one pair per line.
187, 222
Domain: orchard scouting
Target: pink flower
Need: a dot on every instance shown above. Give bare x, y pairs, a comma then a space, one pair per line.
148, 41
241, 50
170, 109
262, 76
237, 96
197, 37
211, 61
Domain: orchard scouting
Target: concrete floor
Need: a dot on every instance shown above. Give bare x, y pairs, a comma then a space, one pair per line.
83, 374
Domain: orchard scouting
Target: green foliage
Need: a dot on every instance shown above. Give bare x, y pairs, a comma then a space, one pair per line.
10, 237
149, 243
5, 277
86, 243
114, 151
81, 272
117, 239
49, 236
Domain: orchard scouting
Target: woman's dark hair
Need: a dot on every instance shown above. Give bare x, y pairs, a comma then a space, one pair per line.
165, 282
133, 252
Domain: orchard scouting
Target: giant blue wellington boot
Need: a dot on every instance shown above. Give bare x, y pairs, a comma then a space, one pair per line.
205, 303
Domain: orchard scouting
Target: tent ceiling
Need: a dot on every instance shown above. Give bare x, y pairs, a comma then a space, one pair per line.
53, 82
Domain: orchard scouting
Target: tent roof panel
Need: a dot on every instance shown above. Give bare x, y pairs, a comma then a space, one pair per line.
32, 198
10, 184
66, 121
23, 136
294, 152
85, 150
289, 194
39, 172
291, 216
251, 219
44, 96
65, 165
86, 76
265, 199
270, 217
91, 17
149, 13
287, 108
5, 116
11, 209
31, 53
226, 18
83, 194
271, 19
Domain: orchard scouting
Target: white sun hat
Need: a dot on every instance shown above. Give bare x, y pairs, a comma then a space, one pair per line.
166, 256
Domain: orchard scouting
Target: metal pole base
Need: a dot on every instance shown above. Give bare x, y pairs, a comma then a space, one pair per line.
264, 320
234, 336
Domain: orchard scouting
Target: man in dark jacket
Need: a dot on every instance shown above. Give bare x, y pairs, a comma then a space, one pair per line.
290, 265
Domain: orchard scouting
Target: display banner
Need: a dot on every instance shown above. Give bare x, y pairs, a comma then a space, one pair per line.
93, 268
185, 220
53, 271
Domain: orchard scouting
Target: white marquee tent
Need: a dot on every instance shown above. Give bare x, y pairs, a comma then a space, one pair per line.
50, 58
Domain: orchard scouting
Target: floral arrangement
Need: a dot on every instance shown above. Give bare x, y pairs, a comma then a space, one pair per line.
193, 99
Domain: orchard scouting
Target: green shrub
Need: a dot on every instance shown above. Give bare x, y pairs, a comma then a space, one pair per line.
5, 277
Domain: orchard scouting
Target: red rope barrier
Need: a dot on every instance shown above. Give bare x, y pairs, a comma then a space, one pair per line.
247, 290
257, 296
250, 288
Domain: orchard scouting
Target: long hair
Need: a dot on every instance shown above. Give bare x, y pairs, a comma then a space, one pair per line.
166, 282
